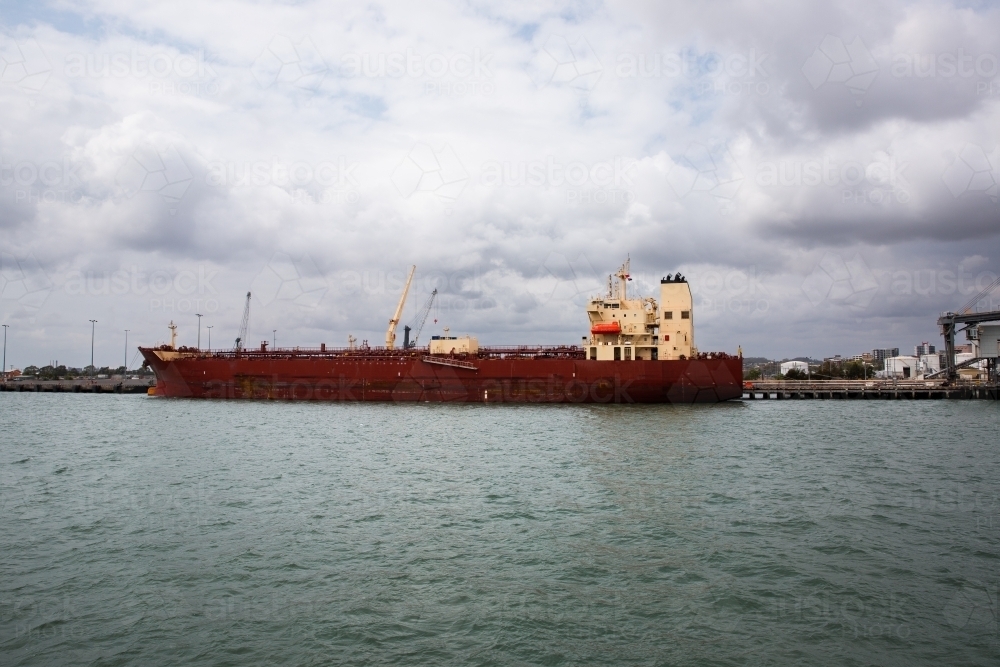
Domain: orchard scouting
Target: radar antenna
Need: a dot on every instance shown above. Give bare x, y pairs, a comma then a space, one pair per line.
243, 327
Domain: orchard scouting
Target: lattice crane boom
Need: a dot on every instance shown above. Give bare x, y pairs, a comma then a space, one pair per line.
423, 318
241, 338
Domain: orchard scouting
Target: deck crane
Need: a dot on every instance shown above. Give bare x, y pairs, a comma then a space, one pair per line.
407, 343
948, 323
243, 327
390, 334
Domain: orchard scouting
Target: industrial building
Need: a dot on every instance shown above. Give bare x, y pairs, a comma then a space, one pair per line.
902, 367
988, 338
794, 365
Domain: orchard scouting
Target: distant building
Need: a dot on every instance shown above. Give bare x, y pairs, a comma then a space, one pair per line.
988, 340
864, 357
902, 367
930, 363
922, 349
796, 365
835, 360
884, 353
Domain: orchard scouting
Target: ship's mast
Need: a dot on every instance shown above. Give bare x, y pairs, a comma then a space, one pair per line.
390, 334
623, 276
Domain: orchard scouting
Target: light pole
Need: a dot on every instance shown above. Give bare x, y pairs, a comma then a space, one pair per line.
199, 316
209, 338
274, 340
125, 367
92, 323
3, 369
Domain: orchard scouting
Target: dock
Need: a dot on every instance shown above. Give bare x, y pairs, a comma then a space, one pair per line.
79, 386
865, 390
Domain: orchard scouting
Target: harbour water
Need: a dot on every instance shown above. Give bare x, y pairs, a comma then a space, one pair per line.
137, 530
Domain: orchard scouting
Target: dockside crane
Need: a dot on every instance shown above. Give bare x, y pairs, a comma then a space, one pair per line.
407, 343
241, 338
949, 321
390, 334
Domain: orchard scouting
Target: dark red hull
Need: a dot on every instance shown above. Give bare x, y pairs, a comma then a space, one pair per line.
278, 375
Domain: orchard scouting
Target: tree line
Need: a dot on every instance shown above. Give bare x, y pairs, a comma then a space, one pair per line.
848, 370
62, 372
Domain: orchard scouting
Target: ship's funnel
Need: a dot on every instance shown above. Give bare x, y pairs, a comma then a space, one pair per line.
676, 318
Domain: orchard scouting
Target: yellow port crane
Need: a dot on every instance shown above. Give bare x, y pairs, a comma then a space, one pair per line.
390, 334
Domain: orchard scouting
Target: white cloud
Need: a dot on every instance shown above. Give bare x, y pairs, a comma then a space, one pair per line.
367, 139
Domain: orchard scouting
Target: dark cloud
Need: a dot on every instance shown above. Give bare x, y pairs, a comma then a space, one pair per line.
798, 162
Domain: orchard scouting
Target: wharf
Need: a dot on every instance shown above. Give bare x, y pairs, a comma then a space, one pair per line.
861, 389
102, 386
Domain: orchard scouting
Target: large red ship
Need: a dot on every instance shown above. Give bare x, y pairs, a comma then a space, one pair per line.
640, 350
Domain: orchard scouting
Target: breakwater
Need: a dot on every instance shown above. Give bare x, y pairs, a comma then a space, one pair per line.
109, 386
860, 389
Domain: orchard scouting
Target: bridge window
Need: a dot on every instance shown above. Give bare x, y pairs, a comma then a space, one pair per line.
685, 314
668, 315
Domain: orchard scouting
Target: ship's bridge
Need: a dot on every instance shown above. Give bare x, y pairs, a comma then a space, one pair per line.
625, 329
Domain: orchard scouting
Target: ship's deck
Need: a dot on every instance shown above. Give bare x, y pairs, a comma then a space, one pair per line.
491, 352
361, 353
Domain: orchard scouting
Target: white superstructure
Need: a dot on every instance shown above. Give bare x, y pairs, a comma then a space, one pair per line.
623, 328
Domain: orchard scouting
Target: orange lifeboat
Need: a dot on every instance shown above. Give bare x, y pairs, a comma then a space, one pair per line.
606, 328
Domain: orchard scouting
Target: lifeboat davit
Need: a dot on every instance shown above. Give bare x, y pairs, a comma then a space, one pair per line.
606, 328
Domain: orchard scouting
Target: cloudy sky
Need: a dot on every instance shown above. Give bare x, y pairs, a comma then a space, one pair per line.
826, 176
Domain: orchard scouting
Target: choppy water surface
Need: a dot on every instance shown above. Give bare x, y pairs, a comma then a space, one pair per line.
152, 531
